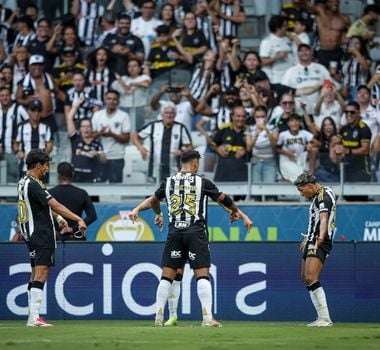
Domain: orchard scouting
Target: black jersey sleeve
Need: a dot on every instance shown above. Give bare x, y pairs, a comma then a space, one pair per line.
210, 189
160, 192
39, 193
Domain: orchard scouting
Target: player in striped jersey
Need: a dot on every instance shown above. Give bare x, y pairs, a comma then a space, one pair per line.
35, 205
318, 241
186, 195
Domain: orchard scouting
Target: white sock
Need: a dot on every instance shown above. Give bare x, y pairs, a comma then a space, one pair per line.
163, 291
205, 297
29, 301
175, 293
320, 303
35, 302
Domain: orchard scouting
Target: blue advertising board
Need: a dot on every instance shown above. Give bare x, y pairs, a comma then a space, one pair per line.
257, 281
271, 223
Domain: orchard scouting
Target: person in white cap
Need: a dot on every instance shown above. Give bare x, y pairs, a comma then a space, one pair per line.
38, 84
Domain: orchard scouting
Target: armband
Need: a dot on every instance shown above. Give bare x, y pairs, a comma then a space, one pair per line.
59, 219
227, 201
159, 215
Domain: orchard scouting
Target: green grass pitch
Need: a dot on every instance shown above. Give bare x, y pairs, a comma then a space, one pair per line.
141, 335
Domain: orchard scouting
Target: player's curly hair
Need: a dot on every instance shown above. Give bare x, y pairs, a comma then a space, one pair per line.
304, 179
36, 156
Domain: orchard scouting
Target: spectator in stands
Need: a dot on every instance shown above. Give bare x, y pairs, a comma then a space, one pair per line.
87, 153
275, 50
330, 103
325, 169
332, 27
204, 75
231, 14
191, 43
99, 72
19, 64
108, 25
38, 84
282, 112
32, 134
207, 22
374, 86
124, 45
74, 199
184, 108
179, 10
369, 114
306, 78
228, 62
297, 10
163, 56
167, 16
231, 148
62, 37
251, 65
145, 26
363, 26
261, 142
130, 8
168, 139
11, 116
37, 46
112, 126
81, 90
355, 67
294, 146
298, 37
63, 73
25, 32
134, 93
7, 73
88, 14
352, 146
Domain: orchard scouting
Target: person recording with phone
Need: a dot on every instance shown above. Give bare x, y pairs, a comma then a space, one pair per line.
261, 140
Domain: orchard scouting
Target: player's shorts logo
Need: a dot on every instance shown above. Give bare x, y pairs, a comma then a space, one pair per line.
192, 256
175, 254
32, 254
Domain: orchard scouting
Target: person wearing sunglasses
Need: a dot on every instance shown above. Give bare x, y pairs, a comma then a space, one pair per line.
352, 146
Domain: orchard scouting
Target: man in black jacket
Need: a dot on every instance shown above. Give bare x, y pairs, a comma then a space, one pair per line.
74, 198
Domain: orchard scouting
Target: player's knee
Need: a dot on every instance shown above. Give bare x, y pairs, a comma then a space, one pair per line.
309, 279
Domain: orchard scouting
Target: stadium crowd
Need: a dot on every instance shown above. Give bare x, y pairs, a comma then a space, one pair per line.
155, 73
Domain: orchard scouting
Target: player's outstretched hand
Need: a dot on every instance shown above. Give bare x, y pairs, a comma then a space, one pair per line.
159, 221
134, 215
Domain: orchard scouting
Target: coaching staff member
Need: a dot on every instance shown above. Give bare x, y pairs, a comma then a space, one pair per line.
35, 205
186, 195
73, 198
317, 243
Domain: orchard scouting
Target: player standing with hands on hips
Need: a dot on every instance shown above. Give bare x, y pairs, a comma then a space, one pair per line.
35, 212
186, 195
318, 241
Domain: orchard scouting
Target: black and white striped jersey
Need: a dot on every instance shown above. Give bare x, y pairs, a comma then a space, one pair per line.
323, 201
226, 26
9, 122
186, 195
204, 23
201, 81
34, 213
31, 138
164, 142
105, 76
89, 18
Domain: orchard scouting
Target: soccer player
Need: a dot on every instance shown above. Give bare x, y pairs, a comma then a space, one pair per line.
175, 291
35, 205
186, 195
318, 241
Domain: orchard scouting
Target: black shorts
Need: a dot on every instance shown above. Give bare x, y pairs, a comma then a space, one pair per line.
321, 253
44, 256
32, 253
189, 244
